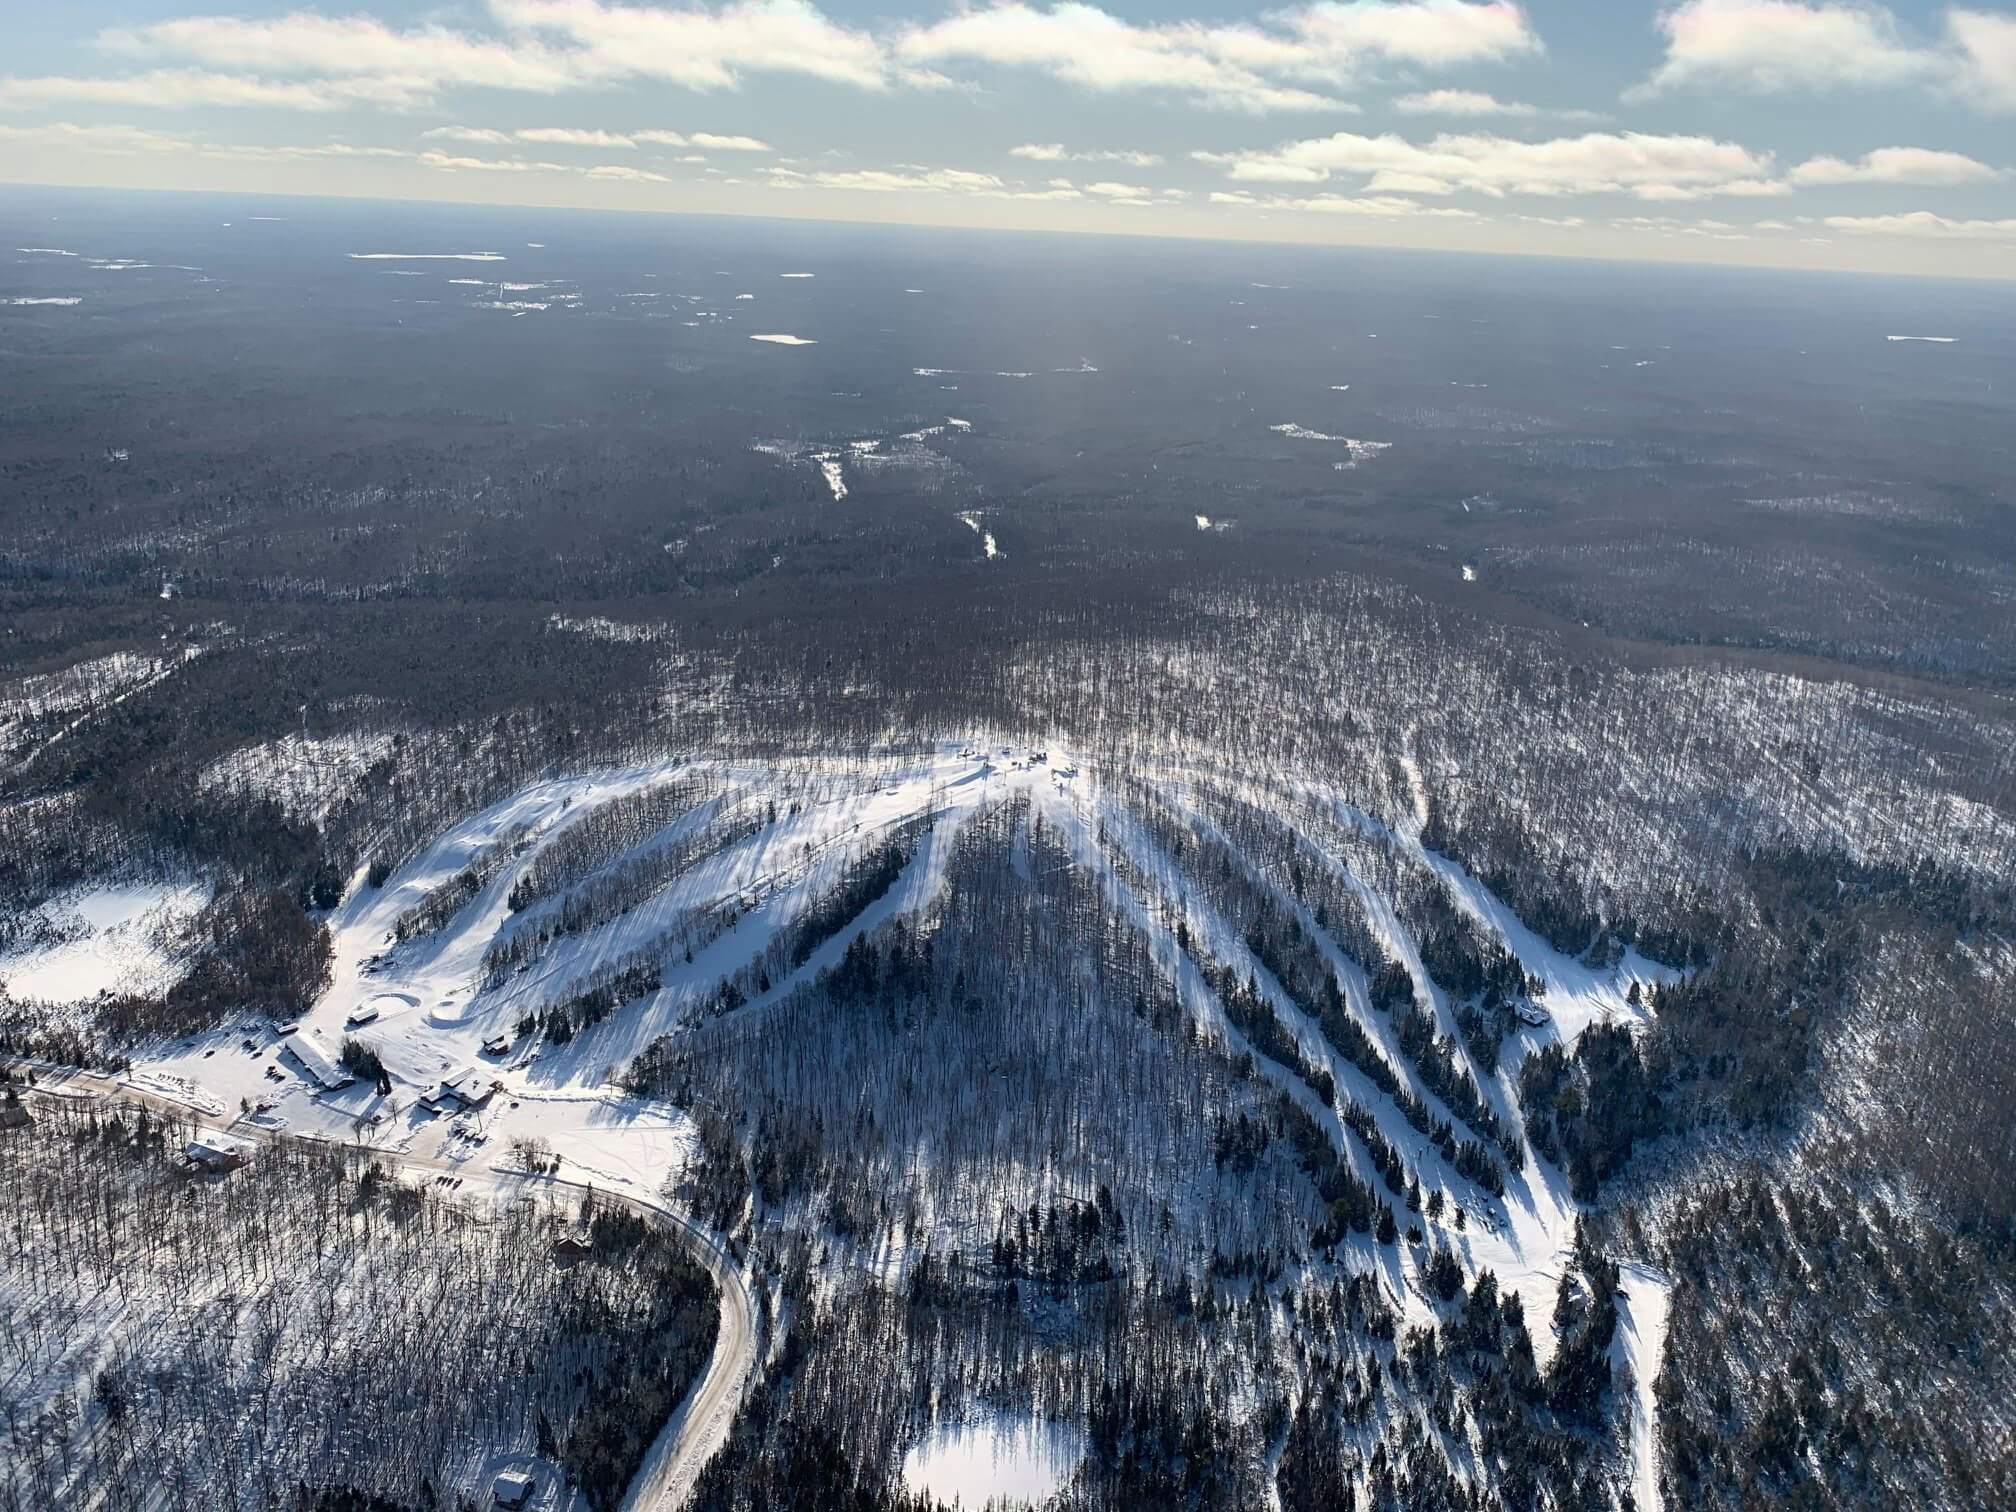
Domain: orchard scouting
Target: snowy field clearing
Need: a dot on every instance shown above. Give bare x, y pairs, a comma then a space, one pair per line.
111, 939
993, 1462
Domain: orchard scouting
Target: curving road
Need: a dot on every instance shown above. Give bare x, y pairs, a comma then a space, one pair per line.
693, 1433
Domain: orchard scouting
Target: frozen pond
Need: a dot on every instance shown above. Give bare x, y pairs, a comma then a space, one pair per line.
994, 1461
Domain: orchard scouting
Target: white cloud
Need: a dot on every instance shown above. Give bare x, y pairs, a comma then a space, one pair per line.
303, 44
912, 178
1648, 166
1256, 68
451, 163
702, 48
473, 134
1461, 102
1376, 207
1475, 104
1921, 166
193, 88
1750, 188
1424, 33
1293, 59
625, 174
1057, 152
1923, 223
119, 139
593, 137
1666, 225
1770, 45
128, 140
284, 154
548, 46
573, 136
892, 181
1985, 70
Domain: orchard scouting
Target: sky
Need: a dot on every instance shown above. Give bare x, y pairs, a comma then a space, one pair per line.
1776, 132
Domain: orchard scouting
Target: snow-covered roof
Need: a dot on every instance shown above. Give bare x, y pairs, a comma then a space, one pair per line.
471, 1085
316, 1062
213, 1146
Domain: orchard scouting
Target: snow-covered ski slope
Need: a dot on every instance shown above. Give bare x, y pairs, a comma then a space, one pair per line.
689, 898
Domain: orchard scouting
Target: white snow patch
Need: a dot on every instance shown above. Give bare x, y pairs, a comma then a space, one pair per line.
778, 338
1936, 340
427, 256
48, 299
972, 522
993, 1462
1360, 450
797, 275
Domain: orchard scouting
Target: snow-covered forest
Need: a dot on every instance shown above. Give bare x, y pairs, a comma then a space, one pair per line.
1190, 1046
315, 1329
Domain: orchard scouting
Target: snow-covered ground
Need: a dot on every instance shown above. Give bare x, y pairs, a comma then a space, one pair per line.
110, 939
993, 1462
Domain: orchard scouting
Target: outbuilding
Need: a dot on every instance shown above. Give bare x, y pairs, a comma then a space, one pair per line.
316, 1062
216, 1152
471, 1087
513, 1488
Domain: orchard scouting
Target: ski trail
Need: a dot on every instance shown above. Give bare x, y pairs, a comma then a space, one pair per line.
1646, 1299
